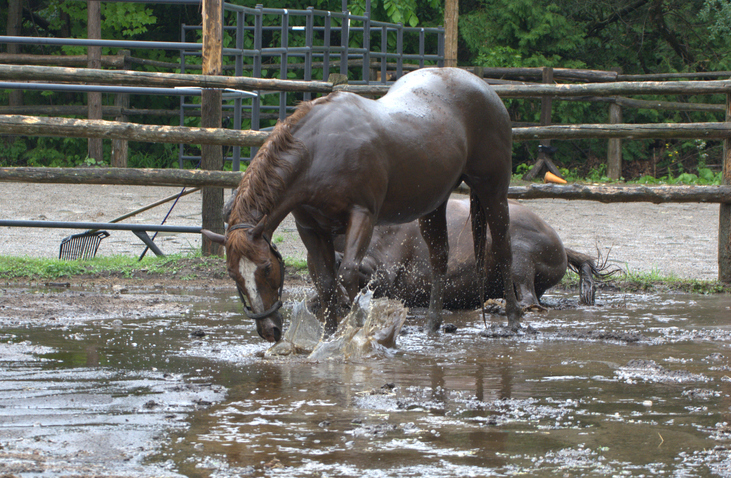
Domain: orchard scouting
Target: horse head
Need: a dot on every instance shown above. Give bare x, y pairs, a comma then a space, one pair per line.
257, 268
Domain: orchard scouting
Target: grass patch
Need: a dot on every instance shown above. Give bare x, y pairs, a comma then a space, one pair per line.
12, 267
654, 280
177, 266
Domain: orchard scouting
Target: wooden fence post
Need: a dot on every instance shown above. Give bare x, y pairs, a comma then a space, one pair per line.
94, 60
724, 219
544, 160
451, 34
614, 148
120, 146
14, 29
212, 155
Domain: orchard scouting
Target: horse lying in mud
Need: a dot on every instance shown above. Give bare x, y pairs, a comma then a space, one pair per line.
396, 264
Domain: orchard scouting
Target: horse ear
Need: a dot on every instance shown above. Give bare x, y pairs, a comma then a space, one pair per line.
259, 228
215, 237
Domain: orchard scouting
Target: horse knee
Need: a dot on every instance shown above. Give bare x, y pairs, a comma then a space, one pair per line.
348, 276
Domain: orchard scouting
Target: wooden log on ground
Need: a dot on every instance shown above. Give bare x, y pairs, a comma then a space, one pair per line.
151, 79
77, 128
122, 176
622, 194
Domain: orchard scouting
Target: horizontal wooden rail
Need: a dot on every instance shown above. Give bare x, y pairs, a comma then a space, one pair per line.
122, 176
626, 130
629, 193
151, 79
81, 128
227, 179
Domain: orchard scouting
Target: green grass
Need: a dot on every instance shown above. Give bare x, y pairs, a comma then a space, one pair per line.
654, 280
43, 268
32, 268
194, 266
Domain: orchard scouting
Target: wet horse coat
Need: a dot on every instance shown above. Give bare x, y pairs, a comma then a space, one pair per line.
343, 164
397, 262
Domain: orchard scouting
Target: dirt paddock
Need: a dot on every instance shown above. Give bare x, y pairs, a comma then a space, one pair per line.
677, 239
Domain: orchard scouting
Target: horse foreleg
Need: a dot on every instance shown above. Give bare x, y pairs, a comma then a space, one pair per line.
433, 228
321, 264
498, 219
357, 239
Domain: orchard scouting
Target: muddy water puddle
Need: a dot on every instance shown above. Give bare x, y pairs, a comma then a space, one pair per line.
639, 385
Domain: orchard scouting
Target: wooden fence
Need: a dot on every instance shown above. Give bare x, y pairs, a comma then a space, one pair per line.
105, 129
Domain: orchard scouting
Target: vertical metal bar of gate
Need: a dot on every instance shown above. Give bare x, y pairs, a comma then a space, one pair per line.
400, 50
181, 149
440, 48
421, 48
309, 27
326, 41
283, 61
344, 39
367, 44
256, 101
384, 54
239, 71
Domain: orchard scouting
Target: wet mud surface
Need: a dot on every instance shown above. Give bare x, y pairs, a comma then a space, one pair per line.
145, 381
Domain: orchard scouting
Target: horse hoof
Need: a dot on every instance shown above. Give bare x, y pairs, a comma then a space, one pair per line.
434, 326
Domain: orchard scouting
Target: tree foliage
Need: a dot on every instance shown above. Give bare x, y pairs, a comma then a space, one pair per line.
636, 36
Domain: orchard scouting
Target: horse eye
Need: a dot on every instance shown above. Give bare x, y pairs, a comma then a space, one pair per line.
267, 269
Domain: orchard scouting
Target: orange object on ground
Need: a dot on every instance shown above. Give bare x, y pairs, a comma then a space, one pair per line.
552, 178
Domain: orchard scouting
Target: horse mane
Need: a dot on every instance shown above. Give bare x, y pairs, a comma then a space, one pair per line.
262, 184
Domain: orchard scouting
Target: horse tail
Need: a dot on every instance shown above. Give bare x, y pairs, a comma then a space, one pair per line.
479, 238
589, 269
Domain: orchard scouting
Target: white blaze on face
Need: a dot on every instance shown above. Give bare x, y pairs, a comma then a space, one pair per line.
247, 269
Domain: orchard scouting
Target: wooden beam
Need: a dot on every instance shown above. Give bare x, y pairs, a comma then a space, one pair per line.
613, 194
614, 147
152, 79
724, 219
228, 179
122, 176
451, 32
78, 128
624, 130
212, 155
113, 61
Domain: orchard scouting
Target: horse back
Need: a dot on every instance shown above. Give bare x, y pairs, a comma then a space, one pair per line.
402, 155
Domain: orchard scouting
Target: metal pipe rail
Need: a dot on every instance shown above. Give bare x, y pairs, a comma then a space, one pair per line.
139, 230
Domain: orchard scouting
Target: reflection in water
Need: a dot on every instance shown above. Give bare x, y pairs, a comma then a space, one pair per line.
579, 397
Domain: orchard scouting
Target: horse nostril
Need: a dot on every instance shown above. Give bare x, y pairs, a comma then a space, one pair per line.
277, 334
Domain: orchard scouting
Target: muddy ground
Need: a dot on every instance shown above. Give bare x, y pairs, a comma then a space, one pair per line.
674, 239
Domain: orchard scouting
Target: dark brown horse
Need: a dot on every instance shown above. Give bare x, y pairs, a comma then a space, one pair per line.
343, 164
397, 262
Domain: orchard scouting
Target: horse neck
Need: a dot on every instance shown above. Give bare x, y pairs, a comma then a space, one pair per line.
265, 190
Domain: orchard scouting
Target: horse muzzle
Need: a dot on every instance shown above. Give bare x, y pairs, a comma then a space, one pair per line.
270, 328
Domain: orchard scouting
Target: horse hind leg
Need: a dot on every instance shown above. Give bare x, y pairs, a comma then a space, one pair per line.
433, 229
496, 216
